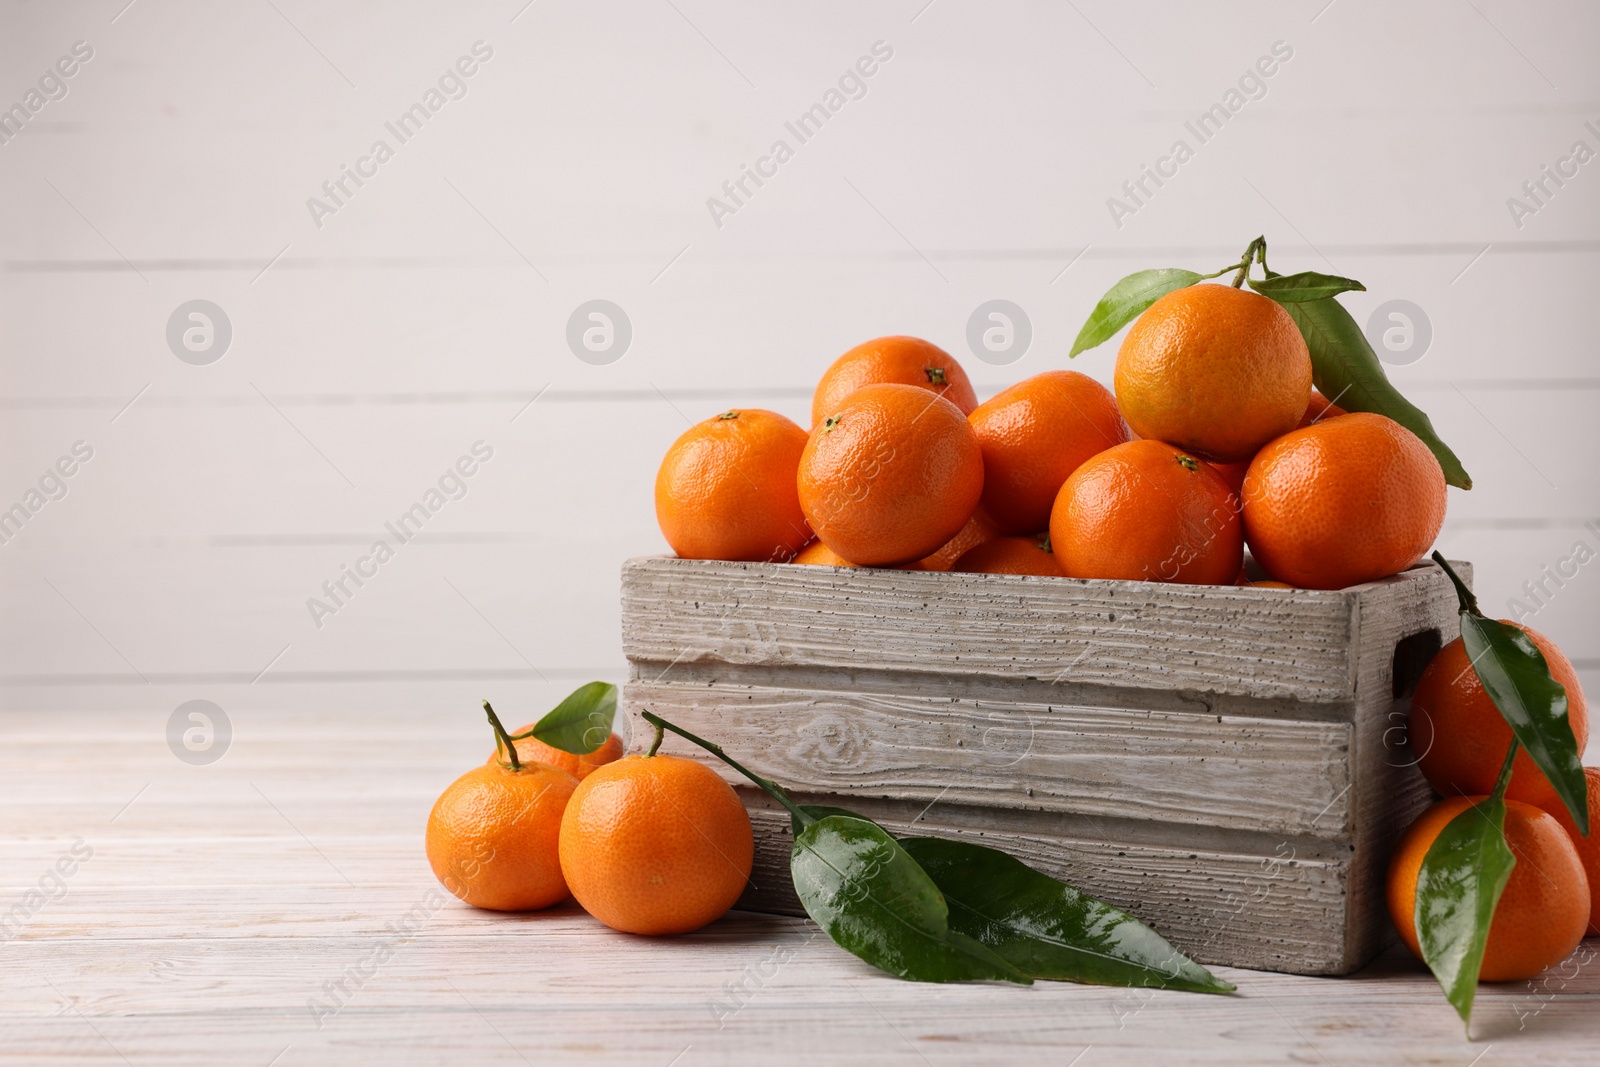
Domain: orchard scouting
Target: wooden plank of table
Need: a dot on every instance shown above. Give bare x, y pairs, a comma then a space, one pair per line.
215, 913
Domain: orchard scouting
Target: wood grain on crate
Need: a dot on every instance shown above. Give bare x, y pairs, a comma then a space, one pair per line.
1180, 767
1296, 644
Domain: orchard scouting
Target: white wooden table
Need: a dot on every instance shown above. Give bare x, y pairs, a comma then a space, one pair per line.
223, 905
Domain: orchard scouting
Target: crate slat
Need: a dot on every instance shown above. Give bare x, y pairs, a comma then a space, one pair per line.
1136, 634
1286, 777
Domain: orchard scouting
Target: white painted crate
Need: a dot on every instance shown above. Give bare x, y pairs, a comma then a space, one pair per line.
1226, 763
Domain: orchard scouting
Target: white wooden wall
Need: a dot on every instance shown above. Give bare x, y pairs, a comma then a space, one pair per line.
431, 308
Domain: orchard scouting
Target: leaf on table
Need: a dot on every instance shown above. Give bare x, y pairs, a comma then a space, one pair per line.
1126, 301
582, 722
1048, 929
871, 897
1347, 372
1307, 285
1458, 886
1517, 678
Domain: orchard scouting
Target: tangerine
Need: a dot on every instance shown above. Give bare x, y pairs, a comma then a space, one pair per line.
817, 554
979, 528
1545, 906
656, 845
1588, 848
1147, 511
1033, 436
1215, 370
726, 488
1460, 737
906, 360
1011, 555
1318, 409
493, 835
1346, 500
891, 475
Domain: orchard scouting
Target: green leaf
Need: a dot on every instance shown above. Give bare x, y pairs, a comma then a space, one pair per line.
1048, 929
822, 811
1458, 886
1307, 285
1347, 372
872, 898
1533, 704
1126, 301
582, 722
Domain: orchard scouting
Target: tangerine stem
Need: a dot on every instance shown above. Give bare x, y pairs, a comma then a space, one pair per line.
1246, 260
1224, 270
502, 738
771, 788
1261, 256
1469, 602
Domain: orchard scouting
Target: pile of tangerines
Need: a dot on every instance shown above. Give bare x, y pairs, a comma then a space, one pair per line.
1213, 440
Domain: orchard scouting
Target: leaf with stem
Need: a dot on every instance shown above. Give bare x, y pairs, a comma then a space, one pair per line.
1517, 678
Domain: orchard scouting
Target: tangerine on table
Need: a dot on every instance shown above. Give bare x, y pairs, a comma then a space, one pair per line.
1147, 511
1213, 369
656, 845
1033, 436
1545, 906
906, 360
1344, 501
1011, 555
1460, 737
726, 488
891, 475
979, 528
533, 750
1588, 848
493, 835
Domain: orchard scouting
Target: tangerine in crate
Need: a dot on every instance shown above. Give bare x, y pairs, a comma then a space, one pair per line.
904, 360
890, 475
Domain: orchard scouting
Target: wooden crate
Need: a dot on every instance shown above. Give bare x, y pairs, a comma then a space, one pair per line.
1226, 763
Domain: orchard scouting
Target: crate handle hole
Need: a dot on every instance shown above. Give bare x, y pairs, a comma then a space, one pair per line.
1411, 656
